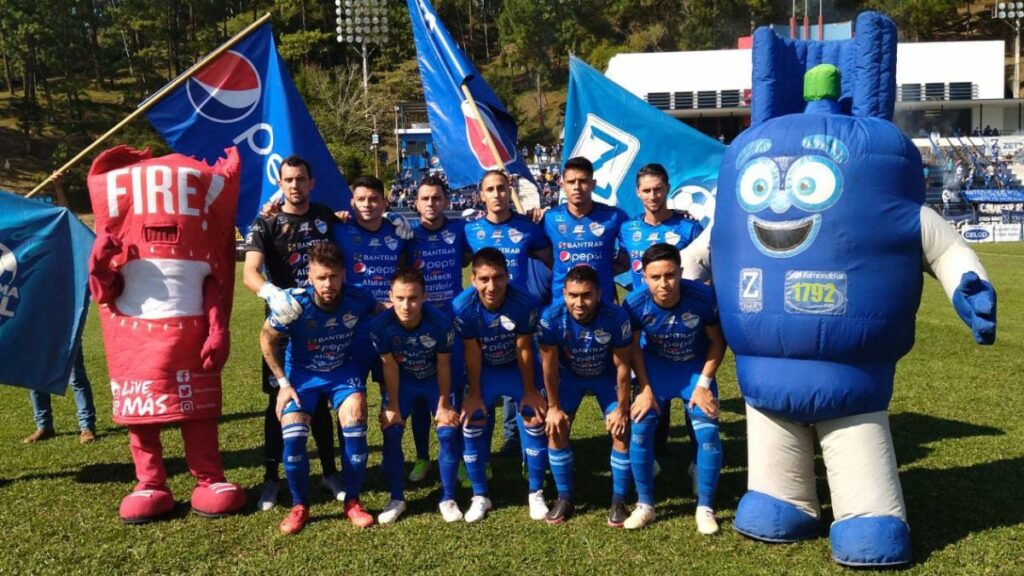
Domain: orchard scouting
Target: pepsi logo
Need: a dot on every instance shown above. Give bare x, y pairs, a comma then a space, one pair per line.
418, 264
359, 268
638, 265
564, 255
227, 90
294, 259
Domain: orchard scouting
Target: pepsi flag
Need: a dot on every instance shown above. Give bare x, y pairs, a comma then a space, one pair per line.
246, 97
620, 133
444, 69
44, 273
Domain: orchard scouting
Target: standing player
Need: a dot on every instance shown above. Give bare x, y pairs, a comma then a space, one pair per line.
496, 322
583, 231
320, 364
437, 249
677, 349
519, 239
585, 346
415, 345
279, 243
659, 224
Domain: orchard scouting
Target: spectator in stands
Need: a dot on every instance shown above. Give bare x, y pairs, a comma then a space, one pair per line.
947, 196
987, 131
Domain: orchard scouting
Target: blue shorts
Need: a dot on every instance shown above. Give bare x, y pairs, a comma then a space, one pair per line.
310, 386
496, 382
410, 391
675, 380
572, 390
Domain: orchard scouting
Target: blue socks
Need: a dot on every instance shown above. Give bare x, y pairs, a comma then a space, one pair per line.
641, 457
622, 476
534, 444
394, 460
476, 453
296, 462
709, 458
356, 452
448, 460
561, 469
420, 422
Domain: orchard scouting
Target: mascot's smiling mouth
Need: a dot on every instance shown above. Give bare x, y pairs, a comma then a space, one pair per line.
783, 239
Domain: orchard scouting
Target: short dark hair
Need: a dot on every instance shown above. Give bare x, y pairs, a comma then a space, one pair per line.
582, 274
326, 254
431, 180
407, 275
580, 164
489, 256
371, 182
295, 161
661, 251
652, 169
494, 172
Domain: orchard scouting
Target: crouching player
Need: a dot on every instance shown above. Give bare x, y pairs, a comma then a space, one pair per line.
496, 322
677, 348
585, 346
415, 346
319, 362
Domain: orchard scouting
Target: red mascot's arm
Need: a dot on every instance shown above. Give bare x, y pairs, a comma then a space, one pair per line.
218, 342
105, 282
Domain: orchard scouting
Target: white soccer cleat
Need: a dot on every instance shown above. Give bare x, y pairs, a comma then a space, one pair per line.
450, 511
333, 485
478, 508
706, 523
392, 512
538, 507
268, 495
642, 515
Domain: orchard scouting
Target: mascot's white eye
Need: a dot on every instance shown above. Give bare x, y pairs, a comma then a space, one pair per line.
758, 180
814, 183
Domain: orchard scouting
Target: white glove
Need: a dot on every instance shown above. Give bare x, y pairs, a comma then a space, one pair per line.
402, 227
283, 305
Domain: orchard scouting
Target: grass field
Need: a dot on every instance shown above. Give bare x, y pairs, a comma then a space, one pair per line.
957, 419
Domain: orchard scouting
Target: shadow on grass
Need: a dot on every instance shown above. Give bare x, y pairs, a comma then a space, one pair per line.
913, 432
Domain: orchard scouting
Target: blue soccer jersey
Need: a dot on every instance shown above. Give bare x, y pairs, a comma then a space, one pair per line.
321, 342
589, 240
636, 236
414, 350
674, 338
516, 238
496, 331
585, 350
371, 258
438, 254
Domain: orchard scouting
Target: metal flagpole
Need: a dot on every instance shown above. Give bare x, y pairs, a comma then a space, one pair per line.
152, 100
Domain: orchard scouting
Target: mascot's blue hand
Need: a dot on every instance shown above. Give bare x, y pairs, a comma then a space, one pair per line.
975, 302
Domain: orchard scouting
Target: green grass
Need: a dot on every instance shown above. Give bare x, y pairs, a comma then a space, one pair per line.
956, 419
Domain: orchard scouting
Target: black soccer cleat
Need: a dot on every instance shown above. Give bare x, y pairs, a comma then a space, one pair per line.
617, 514
560, 512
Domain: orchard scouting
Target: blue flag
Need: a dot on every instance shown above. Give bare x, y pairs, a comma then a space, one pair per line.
620, 133
462, 148
44, 275
246, 97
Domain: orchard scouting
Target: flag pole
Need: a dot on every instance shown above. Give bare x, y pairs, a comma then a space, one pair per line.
490, 143
152, 100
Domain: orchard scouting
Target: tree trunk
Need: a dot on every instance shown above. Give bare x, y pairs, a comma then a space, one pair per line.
540, 102
94, 44
7, 60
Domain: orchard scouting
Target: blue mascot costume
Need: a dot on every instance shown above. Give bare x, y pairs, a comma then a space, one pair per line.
819, 243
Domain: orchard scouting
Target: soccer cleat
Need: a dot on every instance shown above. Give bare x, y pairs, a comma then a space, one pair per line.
478, 508
419, 470
617, 514
560, 512
358, 515
706, 523
268, 495
39, 435
657, 470
296, 520
692, 471
450, 511
538, 508
333, 485
392, 512
642, 515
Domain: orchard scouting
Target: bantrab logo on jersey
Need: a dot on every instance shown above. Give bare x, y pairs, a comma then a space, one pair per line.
612, 152
227, 90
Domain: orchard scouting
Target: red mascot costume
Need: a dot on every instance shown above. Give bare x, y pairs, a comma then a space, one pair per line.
162, 270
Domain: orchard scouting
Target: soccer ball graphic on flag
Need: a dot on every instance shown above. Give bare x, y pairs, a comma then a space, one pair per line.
696, 199
8, 264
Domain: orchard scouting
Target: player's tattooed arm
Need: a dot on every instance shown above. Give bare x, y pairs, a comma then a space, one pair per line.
645, 400
272, 354
621, 262
544, 256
